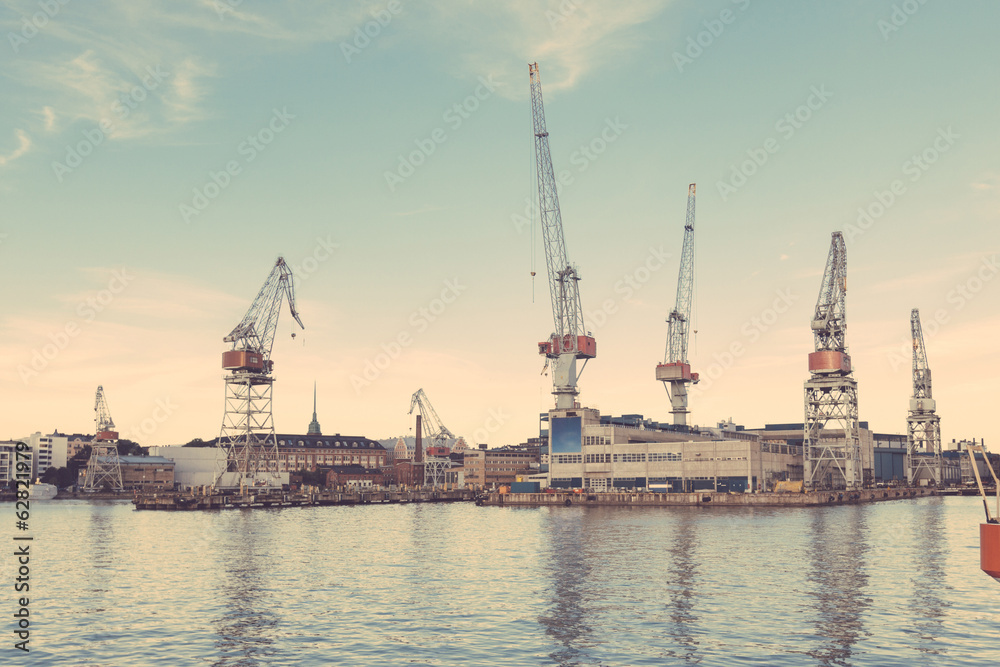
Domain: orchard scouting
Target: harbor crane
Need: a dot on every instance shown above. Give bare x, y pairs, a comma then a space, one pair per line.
570, 341
923, 425
831, 438
437, 432
247, 437
104, 469
675, 371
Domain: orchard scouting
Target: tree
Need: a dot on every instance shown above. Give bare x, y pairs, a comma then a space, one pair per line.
130, 448
198, 442
59, 477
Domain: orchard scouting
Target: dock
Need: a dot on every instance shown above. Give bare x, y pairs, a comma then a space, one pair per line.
702, 498
190, 502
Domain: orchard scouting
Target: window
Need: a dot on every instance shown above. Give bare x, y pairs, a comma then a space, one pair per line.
569, 458
631, 457
657, 457
597, 458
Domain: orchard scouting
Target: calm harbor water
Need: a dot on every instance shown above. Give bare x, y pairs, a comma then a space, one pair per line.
886, 584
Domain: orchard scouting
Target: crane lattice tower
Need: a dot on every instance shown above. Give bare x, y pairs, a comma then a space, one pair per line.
832, 436
104, 469
923, 425
248, 438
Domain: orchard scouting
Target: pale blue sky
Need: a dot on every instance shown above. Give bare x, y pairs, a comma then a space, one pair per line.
224, 76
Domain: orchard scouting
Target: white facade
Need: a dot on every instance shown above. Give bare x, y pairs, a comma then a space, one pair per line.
8, 460
193, 466
48, 451
678, 466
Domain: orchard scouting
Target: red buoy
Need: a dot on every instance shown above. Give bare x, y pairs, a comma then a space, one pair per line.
989, 549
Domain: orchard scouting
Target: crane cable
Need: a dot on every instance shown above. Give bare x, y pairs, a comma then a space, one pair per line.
531, 209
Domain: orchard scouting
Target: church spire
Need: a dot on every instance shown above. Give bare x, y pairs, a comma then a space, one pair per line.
314, 425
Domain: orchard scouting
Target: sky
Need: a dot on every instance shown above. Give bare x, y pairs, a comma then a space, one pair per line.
156, 158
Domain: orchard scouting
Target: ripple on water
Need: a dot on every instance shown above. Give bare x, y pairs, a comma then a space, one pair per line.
886, 584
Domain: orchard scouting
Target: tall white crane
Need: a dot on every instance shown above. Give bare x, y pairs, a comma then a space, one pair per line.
437, 432
923, 425
247, 437
675, 371
104, 468
570, 341
832, 441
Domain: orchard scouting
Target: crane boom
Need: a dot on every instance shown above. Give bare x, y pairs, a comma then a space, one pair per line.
102, 417
675, 371
255, 332
923, 425
680, 317
570, 340
436, 430
829, 324
921, 370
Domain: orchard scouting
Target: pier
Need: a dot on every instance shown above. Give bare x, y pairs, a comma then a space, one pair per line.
185, 502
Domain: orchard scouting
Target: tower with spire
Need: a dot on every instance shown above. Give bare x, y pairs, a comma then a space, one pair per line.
314, 425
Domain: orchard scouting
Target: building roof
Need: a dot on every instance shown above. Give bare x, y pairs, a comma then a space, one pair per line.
353, 469
135, 460
327, 441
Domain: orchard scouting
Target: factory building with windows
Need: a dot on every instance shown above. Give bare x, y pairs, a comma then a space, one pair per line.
604, 454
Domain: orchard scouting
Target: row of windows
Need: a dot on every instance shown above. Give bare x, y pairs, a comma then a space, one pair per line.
568, 458
596, 440
327, 443
655, 457
631, 457
597, 458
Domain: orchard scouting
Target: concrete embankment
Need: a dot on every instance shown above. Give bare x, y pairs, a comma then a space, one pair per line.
706, 499
179, 501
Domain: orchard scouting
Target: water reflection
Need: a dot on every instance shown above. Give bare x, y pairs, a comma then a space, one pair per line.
103, 545
681, 575
247, 627
566, 619
929, 580
839, 579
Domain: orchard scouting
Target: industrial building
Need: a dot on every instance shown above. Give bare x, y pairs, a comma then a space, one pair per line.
588, 451
486, 468
142, 473
194, 467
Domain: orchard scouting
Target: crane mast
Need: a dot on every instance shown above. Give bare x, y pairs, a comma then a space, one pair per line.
923, 425
831, 438
434, 466
569, 341
247, 437
104, 467
675, 371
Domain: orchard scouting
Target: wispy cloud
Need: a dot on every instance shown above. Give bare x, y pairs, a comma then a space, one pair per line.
951, 268
24, 145
570, 38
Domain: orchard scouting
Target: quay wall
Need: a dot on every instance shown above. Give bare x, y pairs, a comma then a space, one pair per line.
706, 499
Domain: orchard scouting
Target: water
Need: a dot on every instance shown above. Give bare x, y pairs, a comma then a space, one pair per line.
886, 584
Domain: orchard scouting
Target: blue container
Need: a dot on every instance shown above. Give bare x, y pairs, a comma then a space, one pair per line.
525, 487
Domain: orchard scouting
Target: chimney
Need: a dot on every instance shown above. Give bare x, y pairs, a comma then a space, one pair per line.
418, 454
